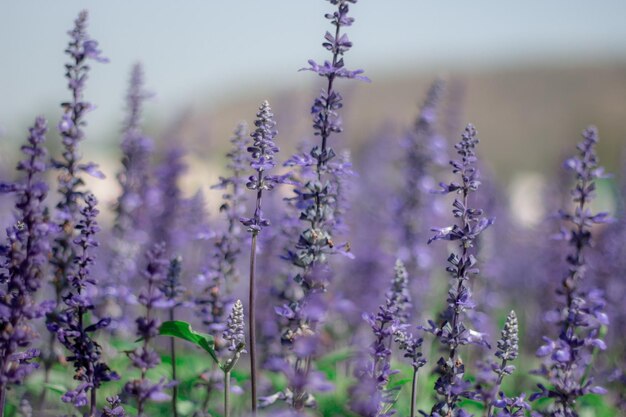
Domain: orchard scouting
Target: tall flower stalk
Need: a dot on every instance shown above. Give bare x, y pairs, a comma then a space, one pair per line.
173, 290
580, 315
452, 333
418, 157
71, 325
23, 259
390, 318
262, 161
131, 221
507, 351
81, 49
228, 243
145, 357
316, 194
234, 336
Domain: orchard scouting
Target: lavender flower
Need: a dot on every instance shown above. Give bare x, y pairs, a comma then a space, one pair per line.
507, 350
387, 322
145, 357
81, 49
70, 325
418, 158
114, 408
233, 335
412, 348
167, 226
452, 332
24, 257
261, 160
580, 314
229, 243
173, 290
130, 224
316, 196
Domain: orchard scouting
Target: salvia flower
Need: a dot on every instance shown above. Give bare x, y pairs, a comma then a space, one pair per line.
386, 323
262, 160
113, 408
168, 227
234, 333
22, 263
580, 314
130, 225
452, 333
145, 357
507, 350
229, 242
70, 324
81, 49
316, 195
413, 206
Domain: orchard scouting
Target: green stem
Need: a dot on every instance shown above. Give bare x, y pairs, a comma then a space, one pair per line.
227, 394
173, 355
252, 323
413, 392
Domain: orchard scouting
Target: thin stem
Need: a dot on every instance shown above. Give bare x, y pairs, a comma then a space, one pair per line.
227, 394
252, 321
497, 387
413, 392
3, 389
173, 355
92, 410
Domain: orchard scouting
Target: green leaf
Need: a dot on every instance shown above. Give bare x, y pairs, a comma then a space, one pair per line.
183, 330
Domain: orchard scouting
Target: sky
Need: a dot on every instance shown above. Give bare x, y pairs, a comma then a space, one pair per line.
204, 51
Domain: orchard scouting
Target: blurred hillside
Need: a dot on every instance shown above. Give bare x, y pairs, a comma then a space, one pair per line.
527, 118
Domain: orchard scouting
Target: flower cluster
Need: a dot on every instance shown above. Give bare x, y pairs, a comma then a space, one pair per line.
452, 332
233, 335
22, 261
134, 179
145, 357
507, 350
81, 49
262, 160
580, 314
413, 198
228, 244
385, 324
71, 326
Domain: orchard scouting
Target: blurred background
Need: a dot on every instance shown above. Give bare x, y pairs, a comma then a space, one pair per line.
529, 75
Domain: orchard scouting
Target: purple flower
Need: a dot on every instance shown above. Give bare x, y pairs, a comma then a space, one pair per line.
580, 313
168, 227
413, 203
113, 408
145, 357
389, 321
72, 329
131, 219
452, 332
81, 49
262, 160
234, 333
22, 263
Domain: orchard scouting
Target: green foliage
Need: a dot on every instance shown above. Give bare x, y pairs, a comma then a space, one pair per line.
182, 330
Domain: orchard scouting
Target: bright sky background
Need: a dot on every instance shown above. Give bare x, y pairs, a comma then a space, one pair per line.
206, 50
